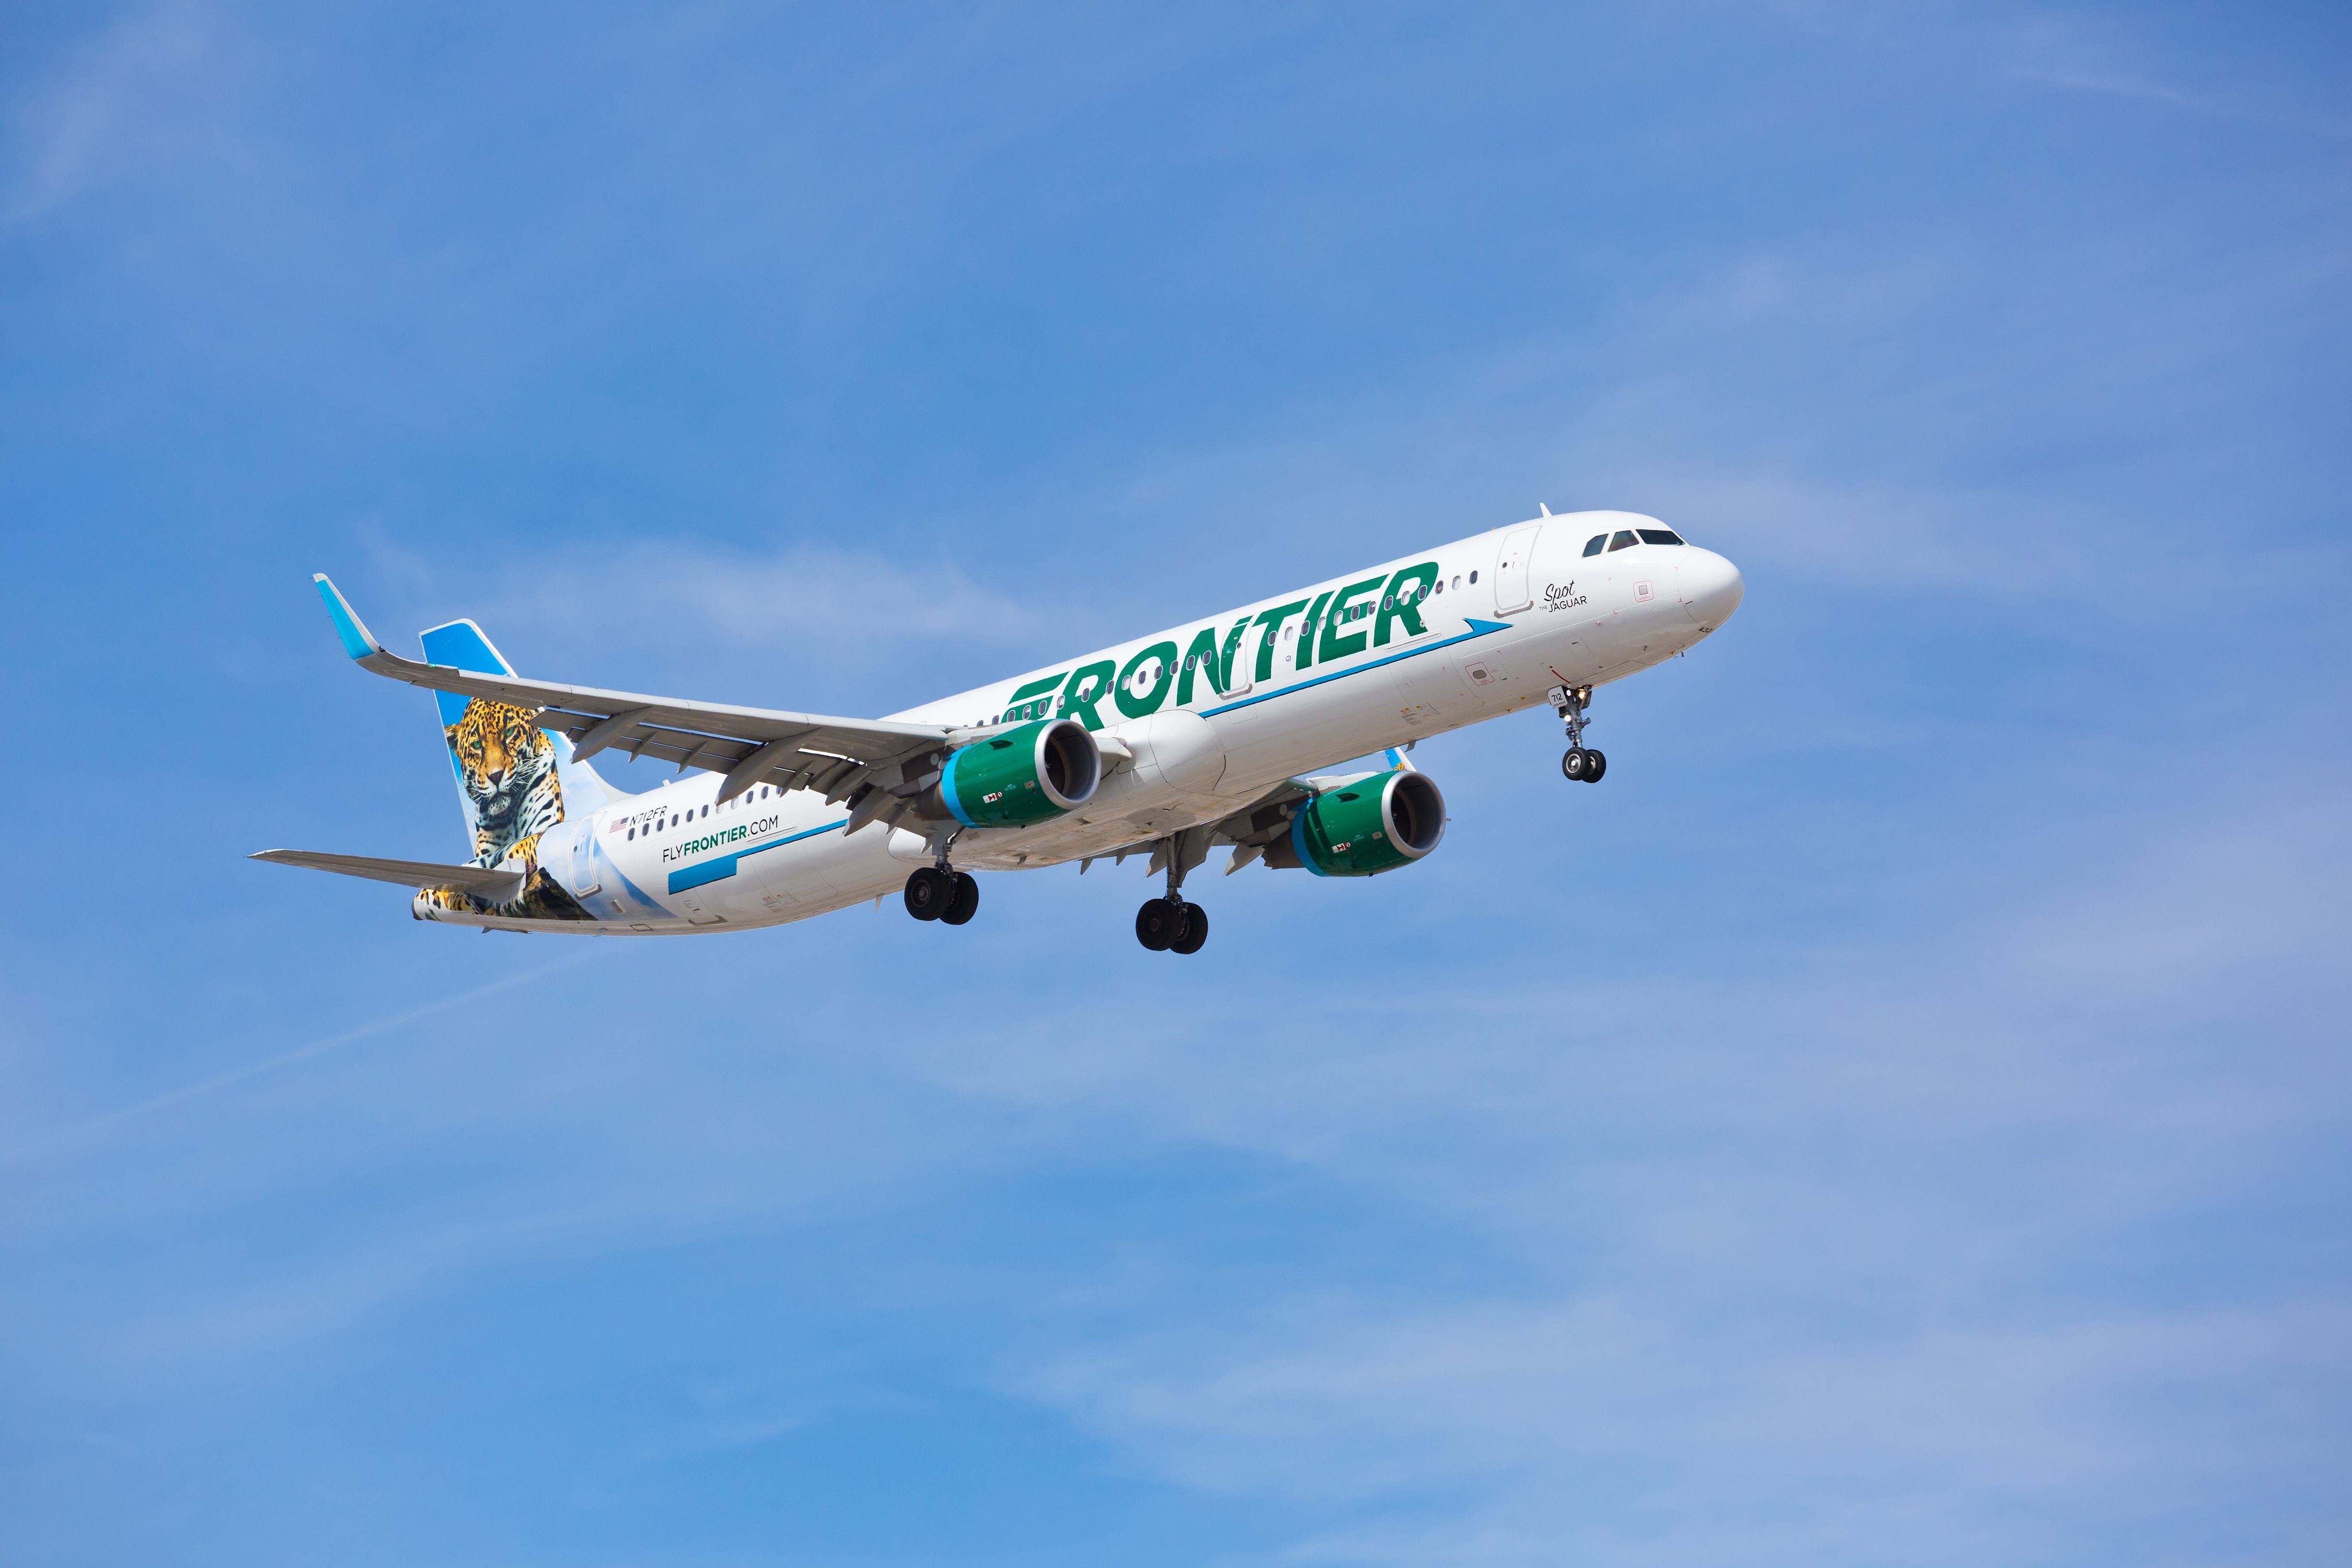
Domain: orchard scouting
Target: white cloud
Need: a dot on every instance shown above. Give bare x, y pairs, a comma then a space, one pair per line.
155, 90
637, 614
799, 596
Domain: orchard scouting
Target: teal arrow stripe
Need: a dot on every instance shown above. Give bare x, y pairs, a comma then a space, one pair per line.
1479, 628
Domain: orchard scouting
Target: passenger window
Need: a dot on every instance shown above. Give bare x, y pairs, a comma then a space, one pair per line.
1592, 545
1440, 588
1457, 584
1473, 576
1623, 539
1660, 536
633, 836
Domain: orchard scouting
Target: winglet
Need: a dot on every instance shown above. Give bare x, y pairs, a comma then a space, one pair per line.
358, 641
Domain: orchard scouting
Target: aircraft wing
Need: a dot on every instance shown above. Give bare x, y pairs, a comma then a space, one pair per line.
750, 745
498, 887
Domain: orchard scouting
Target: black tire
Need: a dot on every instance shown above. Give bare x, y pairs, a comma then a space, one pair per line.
928, 893
1156, 923
964, 902
1573, 763
1193, 934
1595, 768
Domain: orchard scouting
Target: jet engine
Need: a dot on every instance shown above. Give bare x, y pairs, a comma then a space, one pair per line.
1364, 827
1026, 775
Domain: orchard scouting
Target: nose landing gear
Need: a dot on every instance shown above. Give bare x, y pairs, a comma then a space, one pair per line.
1581, 764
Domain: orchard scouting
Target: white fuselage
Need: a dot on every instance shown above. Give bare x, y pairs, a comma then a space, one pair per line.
1510, 615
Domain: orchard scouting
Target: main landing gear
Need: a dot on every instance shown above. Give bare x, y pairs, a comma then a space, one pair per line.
1170, 924
942, 893
1581, 764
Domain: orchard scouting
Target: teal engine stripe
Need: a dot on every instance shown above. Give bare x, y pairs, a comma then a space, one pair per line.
723, 866
1479, 628
948, 789
1298, 845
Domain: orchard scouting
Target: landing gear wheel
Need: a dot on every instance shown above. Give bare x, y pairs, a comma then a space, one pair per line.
1595, 765
928, 893
964, 902
1158, 922
1574, 765
1192, 933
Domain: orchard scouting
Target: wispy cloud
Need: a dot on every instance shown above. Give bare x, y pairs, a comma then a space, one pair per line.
217, 1082
803, 596
633, 612
154, 91
2075, 53
1601, 1424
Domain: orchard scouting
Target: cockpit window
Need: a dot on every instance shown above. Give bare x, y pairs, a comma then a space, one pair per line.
1623, 539
1592, 545
1660, 536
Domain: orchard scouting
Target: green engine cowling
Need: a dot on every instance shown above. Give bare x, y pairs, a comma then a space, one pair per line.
1362, 829
1026, 775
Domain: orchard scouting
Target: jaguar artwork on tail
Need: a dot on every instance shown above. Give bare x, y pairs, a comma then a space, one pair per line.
507, 765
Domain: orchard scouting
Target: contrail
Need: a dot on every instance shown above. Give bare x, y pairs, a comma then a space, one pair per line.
271, 1064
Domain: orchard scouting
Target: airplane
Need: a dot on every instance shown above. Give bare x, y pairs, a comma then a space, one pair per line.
1206, 735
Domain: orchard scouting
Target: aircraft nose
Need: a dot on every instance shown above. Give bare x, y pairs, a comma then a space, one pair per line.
1711, 587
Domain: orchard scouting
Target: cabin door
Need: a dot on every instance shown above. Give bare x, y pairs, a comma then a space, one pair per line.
1512, 592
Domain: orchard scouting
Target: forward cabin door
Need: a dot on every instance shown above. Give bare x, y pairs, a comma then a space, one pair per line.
1512, 578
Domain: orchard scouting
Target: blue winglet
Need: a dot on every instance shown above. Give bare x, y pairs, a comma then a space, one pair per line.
357, 640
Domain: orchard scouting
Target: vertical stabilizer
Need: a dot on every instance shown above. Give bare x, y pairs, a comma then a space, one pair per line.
515, 780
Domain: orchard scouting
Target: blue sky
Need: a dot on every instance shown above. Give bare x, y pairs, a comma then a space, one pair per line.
1901, 1116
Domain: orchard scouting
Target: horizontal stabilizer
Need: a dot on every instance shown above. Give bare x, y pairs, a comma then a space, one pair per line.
497, 887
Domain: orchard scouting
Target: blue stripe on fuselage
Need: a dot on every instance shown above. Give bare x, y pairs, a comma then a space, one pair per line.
723, 866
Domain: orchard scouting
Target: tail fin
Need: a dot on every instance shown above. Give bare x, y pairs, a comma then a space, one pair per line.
515, 780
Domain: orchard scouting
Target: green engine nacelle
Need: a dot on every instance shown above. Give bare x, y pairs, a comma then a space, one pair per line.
1364, 828
1026, 775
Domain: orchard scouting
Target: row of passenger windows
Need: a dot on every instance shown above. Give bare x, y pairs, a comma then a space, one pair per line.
659, 824
1623, 539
